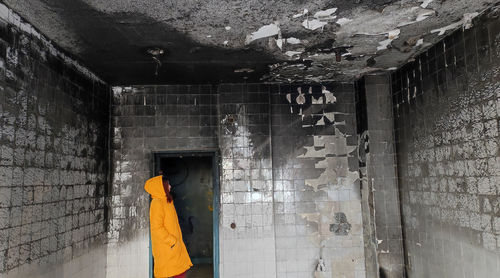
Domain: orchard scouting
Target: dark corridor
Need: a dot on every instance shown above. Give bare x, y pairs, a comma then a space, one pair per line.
192, 181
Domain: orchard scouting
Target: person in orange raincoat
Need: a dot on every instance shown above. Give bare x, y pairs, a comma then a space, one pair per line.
171, 258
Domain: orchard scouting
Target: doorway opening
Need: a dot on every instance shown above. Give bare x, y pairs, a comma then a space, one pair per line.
194, 178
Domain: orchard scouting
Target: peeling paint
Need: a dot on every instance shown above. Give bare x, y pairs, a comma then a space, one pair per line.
293, 40
465, 22
321, 122
319, 100
326, 14
384, 44
313, 24
245, 17
391, 35
324, 146
329, 97
442, 31
279, 43
425, 3
468, 17
330, 116
265, 31
300, 99
304, 12
422, 15
343, 21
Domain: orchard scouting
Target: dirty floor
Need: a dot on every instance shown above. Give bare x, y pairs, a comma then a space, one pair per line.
201, 271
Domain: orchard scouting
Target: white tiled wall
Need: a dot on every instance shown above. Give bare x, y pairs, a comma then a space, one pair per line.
129, 259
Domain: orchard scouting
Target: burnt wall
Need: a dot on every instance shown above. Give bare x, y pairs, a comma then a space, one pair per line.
147, 119
289, 174
446, 108
317, 207
366, 186
379, 187
53, 159
382, 176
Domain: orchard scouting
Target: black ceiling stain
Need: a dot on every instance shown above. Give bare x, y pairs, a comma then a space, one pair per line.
115, 47
114, 43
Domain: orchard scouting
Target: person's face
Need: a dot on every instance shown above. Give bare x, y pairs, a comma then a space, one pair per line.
168, 185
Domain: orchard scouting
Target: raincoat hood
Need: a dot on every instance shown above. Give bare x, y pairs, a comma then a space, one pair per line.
154, 186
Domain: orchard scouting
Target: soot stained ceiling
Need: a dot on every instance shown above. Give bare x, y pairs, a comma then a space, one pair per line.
211, 41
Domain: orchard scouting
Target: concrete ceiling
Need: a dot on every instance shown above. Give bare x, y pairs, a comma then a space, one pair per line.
208, 41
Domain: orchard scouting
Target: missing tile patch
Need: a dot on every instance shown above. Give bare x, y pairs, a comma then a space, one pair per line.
230, 124
341, 227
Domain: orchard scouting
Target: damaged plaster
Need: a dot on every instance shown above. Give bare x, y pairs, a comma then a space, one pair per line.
337, 212
341, 225
263, 32
331, 149
465, 22
364, 29
251, 25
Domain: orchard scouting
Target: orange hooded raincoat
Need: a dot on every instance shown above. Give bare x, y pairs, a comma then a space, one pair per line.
169, 252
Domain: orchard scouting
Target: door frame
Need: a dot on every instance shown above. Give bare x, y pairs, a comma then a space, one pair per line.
214, 154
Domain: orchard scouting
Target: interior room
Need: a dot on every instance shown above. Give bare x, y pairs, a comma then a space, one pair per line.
300, 139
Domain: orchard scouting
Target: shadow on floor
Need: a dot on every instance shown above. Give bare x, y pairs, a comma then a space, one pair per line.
201, 271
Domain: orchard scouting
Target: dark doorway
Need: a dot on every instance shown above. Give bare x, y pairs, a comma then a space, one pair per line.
194, 181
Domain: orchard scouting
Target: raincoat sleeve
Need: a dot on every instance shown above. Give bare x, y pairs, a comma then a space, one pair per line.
156, 217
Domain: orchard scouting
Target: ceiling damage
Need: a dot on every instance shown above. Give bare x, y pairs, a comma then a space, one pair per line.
253, 40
